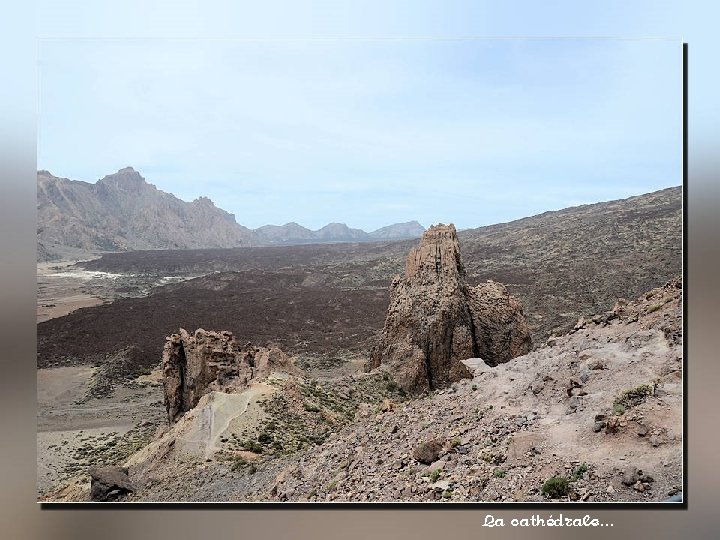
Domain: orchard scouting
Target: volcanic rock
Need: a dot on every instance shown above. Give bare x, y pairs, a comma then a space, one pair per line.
435, 320
109, 483
428, 452
194, 364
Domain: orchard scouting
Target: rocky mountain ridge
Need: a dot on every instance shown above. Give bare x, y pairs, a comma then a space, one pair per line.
123, 212
293, 233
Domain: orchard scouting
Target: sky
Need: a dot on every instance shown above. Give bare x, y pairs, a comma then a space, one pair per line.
368, 131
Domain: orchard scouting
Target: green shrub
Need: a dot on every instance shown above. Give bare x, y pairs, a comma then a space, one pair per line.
635, 396
252, 446
578, 472
434, 475
238, 464
499, 473
556, 487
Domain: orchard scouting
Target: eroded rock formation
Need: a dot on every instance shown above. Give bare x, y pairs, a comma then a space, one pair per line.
194, 364
435, 319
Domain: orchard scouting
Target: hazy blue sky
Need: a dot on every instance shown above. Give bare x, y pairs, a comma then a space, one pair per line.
368, 132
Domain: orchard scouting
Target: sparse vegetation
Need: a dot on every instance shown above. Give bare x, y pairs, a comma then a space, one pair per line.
252, 446
499, 473
578, 472
556, 487
434, 475
634, 396
238, 464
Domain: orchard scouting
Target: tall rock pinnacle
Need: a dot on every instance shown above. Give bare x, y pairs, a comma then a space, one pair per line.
435, 320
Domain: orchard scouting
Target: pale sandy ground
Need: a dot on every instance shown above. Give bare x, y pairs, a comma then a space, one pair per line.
58, 291
64, 425
199, 433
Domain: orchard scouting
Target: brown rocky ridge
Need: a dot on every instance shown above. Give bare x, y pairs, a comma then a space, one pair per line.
123, 212
435, 319
195, 364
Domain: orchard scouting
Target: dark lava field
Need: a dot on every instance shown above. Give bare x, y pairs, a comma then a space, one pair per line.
329, 301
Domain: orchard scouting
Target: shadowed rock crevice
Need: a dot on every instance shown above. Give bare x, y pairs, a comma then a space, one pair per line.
195, 364
435, 320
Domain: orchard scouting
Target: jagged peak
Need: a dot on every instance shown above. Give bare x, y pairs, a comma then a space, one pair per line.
126, 176
437, 257
202, 199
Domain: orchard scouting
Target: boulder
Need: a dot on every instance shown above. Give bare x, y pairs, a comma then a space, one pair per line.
109, 483
428, 452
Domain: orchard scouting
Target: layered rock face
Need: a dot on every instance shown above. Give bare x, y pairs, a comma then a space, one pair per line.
435, 320
194, 364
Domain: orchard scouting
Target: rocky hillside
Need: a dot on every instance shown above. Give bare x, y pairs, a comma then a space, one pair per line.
594, 415
579, 260
123, 212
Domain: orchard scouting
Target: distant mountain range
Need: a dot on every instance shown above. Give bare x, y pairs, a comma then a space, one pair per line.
123, 212
292, 233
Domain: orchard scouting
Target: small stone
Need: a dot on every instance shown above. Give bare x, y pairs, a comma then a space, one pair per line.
630, 476
441, 485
